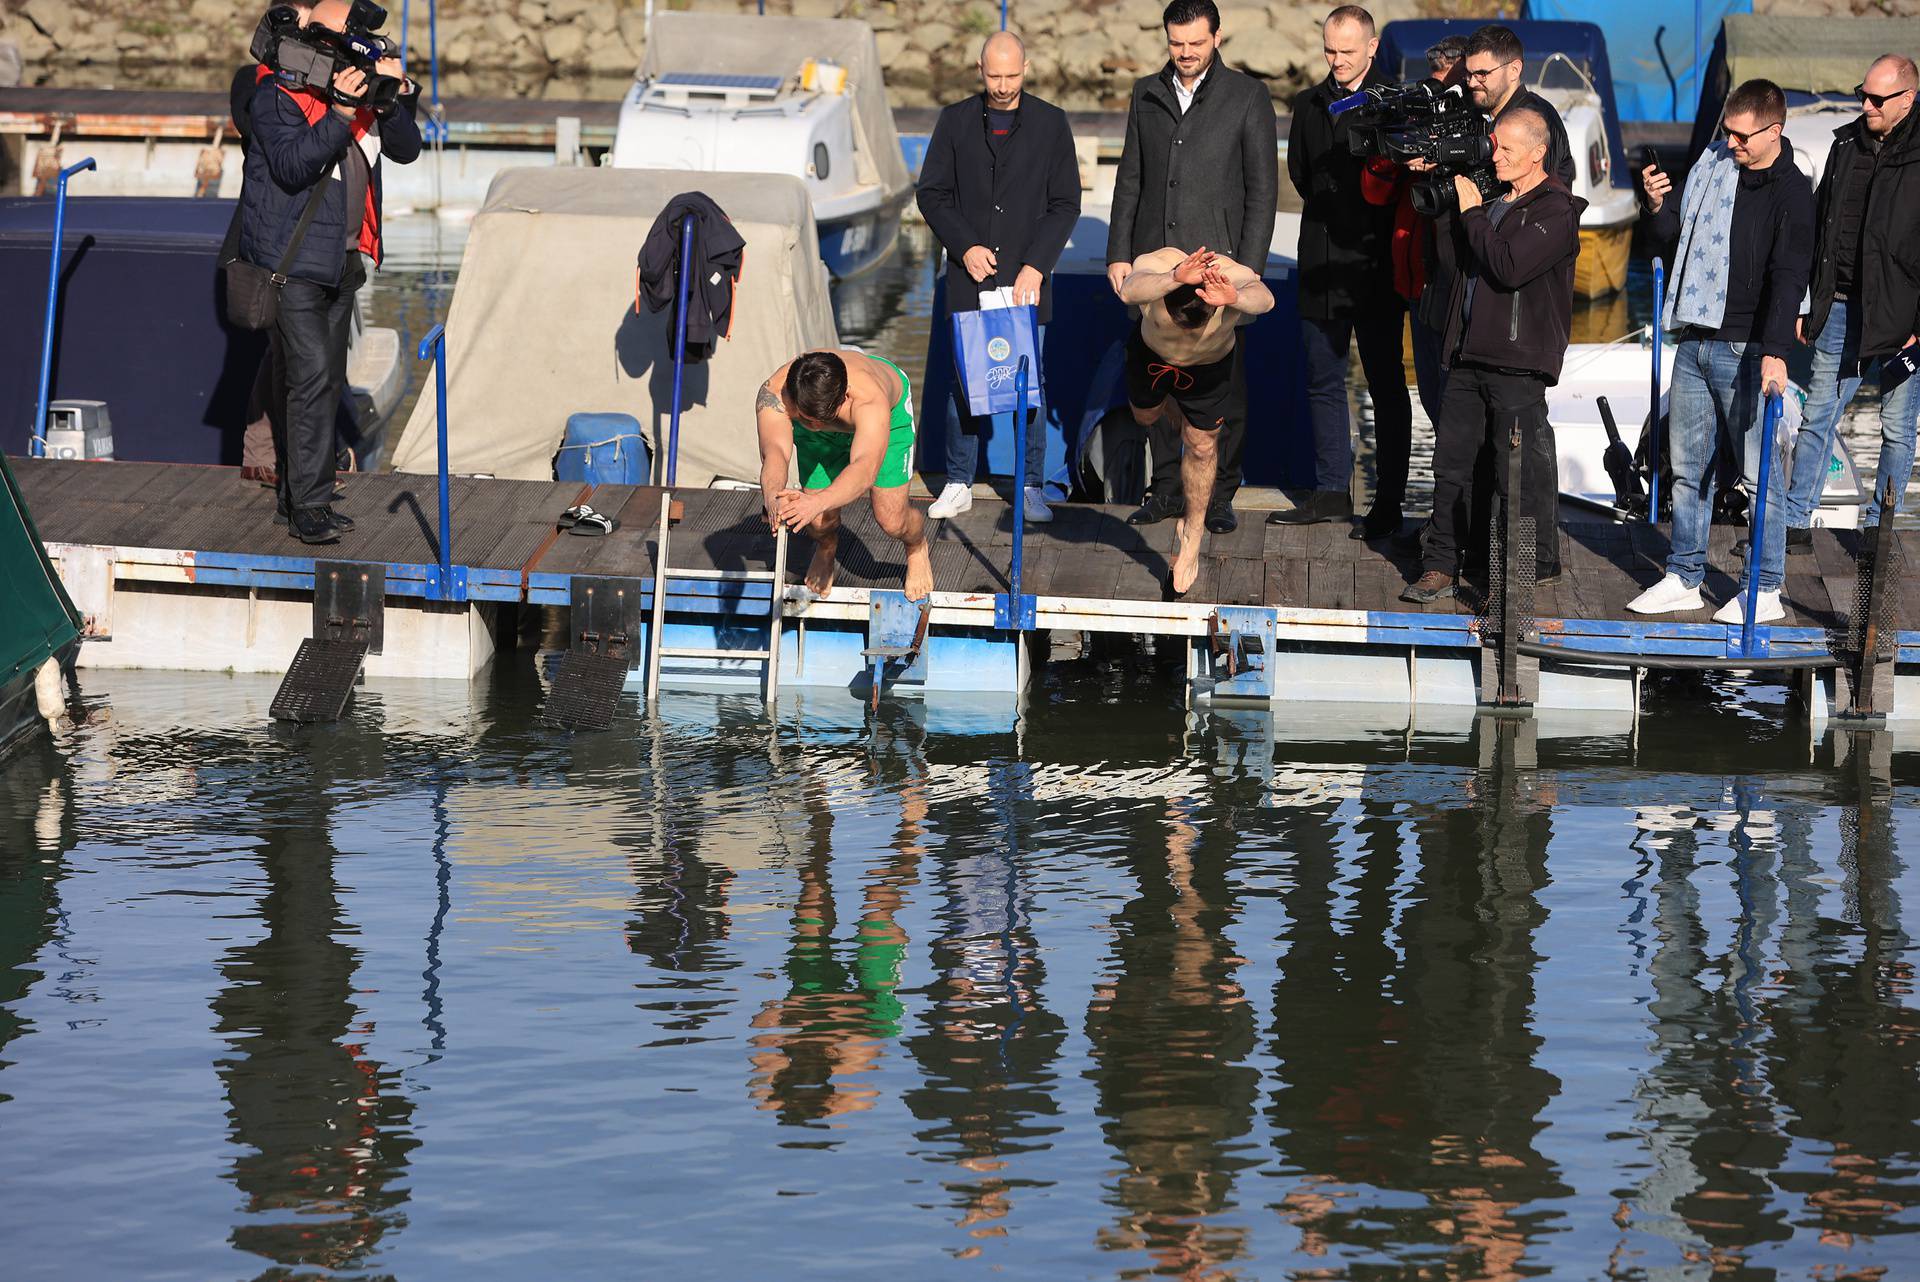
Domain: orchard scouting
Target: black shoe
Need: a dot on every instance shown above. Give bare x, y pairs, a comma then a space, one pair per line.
341, 521
1318, 507
1379, 523
1152, 512
313, 525
279, 516
1799, 542
1429, 587
1221, 518
1547, 575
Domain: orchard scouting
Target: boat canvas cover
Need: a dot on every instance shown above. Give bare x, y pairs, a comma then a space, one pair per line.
1657, 60
543, 322
1813, 55
39, 620
745, 45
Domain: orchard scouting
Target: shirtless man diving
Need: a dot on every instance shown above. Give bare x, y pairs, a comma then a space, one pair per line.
1183, 359
847, 418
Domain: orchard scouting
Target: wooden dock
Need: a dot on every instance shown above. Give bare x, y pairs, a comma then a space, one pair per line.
1333, 600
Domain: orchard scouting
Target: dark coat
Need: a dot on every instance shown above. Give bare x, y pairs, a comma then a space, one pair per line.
287, 157
1523, 306
1345, 253
1889, 271
717, 253
1021, 201
1220, 192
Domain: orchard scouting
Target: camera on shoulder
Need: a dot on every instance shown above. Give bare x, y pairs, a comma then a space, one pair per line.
310, 57
1425, 121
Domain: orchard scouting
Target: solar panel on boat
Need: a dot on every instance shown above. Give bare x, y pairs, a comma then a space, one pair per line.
721, 80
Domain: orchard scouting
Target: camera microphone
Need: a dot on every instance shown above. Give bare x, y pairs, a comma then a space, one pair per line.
1340, 106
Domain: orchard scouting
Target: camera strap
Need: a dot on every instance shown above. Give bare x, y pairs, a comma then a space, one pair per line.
300, 229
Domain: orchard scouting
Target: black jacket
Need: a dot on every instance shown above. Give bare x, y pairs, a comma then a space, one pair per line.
1219, 192
1020, 201
1523, 304
1345, 241
1769, 252
1889, 271
717, 253
287, 157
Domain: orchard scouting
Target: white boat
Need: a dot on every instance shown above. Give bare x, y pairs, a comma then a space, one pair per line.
801, 97
1621, 373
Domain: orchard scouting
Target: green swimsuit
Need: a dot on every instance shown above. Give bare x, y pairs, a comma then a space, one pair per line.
823, 455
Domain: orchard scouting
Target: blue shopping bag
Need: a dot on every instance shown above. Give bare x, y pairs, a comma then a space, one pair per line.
987, 347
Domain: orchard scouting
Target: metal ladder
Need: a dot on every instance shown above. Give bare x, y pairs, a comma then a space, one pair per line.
656, 634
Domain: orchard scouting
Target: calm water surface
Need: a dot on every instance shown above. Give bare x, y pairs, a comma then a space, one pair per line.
439, 993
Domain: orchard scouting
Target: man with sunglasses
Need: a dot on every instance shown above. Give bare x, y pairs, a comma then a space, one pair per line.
1864, 306
1744, 237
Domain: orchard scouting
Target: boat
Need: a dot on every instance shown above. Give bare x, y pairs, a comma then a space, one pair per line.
174, 376
1567, 65
802, 97
1621, 373
39, 624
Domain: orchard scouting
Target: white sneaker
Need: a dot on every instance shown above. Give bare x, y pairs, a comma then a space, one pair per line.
1034, 500
1766, 610
953, 500
1666, 596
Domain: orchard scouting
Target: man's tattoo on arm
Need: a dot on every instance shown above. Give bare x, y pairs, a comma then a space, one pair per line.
766, 400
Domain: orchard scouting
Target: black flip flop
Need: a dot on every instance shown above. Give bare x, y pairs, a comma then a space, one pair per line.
571, 517
592, 524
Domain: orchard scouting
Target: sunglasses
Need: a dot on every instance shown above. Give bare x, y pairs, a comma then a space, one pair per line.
1877, 99
1734, 135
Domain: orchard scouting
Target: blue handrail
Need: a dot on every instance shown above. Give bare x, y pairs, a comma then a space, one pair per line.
1019, 483
1756, 537
1653, 406
434, 347
680, 345
1003, 15
37, 438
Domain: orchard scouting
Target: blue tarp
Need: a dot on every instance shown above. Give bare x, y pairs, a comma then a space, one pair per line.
1640, 83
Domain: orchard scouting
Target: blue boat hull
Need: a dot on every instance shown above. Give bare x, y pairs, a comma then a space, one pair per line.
850, 246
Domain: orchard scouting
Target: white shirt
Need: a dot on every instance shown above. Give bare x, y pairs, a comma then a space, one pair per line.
1184, 95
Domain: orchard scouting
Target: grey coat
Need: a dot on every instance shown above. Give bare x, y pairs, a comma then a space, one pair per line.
1210, 177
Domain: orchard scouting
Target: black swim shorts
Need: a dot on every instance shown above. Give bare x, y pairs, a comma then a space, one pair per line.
1211, 396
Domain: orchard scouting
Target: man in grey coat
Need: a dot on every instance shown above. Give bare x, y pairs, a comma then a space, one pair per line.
1200, 167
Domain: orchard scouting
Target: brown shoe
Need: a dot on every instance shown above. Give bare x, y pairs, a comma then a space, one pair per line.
1429, 587
261, 475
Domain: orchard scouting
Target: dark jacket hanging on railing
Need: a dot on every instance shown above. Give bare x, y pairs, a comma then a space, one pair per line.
718, 252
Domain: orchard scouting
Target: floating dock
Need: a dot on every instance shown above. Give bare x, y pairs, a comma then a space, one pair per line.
182, 567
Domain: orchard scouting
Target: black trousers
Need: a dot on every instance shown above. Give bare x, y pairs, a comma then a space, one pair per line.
1477, 413
309, 352
1167, 491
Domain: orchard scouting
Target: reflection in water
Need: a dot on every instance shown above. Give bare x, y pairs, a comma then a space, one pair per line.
1469, 1004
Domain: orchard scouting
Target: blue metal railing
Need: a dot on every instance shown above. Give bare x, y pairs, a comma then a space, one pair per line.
1756, 536
447, 586
1653, 405
37, 438
436, 126
680, 346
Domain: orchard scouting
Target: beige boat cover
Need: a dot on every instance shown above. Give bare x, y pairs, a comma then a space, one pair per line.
1814, 55
543, 323
746, 45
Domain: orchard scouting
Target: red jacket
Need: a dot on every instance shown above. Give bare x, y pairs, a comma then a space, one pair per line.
315, 110
1383, 182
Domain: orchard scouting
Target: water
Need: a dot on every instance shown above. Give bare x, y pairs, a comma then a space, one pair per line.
440, 993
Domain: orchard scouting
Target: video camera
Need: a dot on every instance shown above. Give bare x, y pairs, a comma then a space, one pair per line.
310, 57
1425, 121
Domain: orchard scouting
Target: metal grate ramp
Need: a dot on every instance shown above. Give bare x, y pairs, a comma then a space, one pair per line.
319, 682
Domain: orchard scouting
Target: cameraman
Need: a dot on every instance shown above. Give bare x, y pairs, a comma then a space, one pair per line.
302, 139
1511, 310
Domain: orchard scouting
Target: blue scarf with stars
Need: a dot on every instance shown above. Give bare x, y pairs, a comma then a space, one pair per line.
1697, 294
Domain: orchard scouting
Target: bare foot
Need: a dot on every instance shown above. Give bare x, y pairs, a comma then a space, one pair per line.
919, 572
1186, 563
820, 570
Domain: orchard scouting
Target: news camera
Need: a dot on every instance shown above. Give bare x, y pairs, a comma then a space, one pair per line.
310, 57
1428, 121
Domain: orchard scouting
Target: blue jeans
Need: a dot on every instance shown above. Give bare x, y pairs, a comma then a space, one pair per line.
1715, 403
1837, 374
963, 438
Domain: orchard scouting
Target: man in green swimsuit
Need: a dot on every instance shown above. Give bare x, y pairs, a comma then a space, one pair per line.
847, 420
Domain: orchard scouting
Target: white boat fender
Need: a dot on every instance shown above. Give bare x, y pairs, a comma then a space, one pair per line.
49, 692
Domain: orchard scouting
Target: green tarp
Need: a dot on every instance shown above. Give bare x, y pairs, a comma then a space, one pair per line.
1814, 55
36, 618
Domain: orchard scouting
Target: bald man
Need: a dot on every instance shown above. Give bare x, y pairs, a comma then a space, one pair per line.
1001, 189
1865, 300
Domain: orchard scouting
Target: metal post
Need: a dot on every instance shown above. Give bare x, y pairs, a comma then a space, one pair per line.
1757, 534
1003, 14
405, 5
1020, 481
680, 344
37, 438
433, 65
434, 345
778, 617
1653, 406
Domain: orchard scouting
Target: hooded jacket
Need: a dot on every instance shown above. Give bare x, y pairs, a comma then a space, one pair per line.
1889, 271
719, 253
1523, 305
